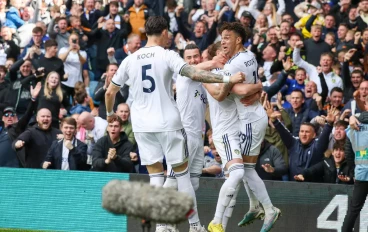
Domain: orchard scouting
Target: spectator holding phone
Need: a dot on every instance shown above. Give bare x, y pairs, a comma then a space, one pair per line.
73, 59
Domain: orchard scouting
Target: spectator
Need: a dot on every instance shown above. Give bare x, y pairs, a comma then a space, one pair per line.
59, 32
111, 37
18, 94
81, 103
138, 15
4, 84
36, 44
352, 104
111, 153
305, 150
270, 164
90, 15
50, 62
11, 49
96, 128
315, 46
334, 169
53, 99
36, 148
103, 84
132, 45
123, 112
73, 59
68, 153
212, 164
326, 80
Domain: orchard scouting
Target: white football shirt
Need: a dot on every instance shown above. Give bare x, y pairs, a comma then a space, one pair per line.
149, 71
191, 99
246, 63
224, 117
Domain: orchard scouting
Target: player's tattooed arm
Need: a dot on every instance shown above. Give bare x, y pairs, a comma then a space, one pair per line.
201, 75
218, 92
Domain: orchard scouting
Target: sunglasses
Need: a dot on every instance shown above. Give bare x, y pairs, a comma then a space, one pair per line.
9, 115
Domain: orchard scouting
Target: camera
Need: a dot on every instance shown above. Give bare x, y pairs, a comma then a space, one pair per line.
74, 41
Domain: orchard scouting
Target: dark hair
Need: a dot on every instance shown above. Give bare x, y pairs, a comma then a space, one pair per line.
298, 91
309, 124
171, 4
344, 25
113, 3
336, 89
357, 72
3, 68
329, 54
341, 123
296, 34
57, 20
37, 30
108, 66
300, 69
236, 27
284, 21
338, 146
155, 25
115, 118
213, 48
50, 43
69, 121
80, 97
192, 47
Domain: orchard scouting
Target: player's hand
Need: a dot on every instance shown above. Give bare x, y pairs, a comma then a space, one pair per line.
220, 60
343, 178
299, 44
19, 144
299, 177
133, 156
46, 164
268, 168
250, 100
237, 78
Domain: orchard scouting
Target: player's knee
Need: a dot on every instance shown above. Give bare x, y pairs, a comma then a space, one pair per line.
195, 182
236, 172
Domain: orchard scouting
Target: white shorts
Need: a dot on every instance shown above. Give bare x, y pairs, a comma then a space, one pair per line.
153, 146
228, 148
196, 157
252, 135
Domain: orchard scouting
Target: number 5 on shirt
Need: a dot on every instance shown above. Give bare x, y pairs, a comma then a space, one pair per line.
148, 78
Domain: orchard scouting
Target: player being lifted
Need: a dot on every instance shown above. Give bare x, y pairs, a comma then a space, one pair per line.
253, 123
155, 117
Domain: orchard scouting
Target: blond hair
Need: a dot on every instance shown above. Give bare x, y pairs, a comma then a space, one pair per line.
47, 91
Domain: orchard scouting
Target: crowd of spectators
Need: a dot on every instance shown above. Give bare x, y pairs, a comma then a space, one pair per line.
57, 59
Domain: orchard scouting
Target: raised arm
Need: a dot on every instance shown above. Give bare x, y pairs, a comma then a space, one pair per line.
218, 92
207, 77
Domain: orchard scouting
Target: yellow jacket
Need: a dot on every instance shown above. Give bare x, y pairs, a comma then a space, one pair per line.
303, 21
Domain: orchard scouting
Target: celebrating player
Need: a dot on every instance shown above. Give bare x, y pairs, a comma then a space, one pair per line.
155, 117
253, 123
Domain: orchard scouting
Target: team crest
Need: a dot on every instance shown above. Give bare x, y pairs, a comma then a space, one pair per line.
236, 151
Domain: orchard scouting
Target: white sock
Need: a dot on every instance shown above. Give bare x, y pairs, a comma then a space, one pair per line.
253, 201
185, 186
227, 191
195, 182
229, 209
258, 187
157, 179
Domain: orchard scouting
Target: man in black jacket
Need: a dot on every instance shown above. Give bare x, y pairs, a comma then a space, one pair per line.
68, 153
11, 129
111, 153
334, 169
37, 140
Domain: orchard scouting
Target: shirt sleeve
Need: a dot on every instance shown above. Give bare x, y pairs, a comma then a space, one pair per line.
174, 61
121, 76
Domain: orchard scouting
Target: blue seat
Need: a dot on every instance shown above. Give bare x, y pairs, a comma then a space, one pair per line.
92, 87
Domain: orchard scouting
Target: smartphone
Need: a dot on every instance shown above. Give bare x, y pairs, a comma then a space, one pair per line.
74, 41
